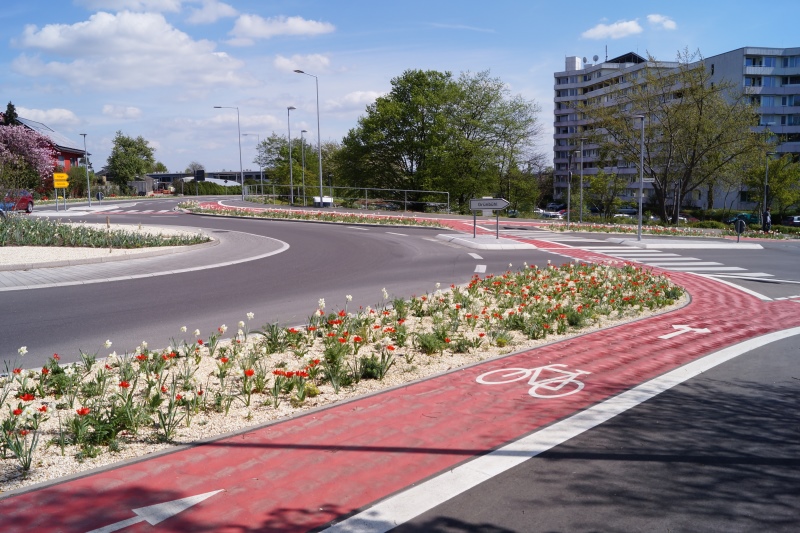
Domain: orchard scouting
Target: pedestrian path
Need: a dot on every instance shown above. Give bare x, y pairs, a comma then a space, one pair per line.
669, 260
547, 236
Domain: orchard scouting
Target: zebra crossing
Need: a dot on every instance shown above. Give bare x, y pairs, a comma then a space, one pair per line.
676, 262
548, 236
138, 211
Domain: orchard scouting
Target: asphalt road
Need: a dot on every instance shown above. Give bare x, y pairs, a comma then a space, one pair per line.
718, 453
323, 261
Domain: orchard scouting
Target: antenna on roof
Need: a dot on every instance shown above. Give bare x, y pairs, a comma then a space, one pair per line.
595, 58
585, 60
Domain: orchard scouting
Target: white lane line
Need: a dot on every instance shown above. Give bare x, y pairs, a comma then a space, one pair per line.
354, 227
657, 263
393, 233
737, 287
700, 269
620, 249
475, 256
649, 256
418, 499
480, 269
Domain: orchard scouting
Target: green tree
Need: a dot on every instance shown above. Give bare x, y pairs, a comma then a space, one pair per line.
194, 166
783, 178
603, 191
466, 136
695, 131
160, 167
130, 158
10, 116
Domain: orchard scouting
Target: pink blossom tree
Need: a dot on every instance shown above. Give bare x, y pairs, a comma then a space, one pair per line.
26, 157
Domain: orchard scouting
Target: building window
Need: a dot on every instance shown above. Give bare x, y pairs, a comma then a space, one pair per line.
770, 61
791, 80
753, 62
712, 69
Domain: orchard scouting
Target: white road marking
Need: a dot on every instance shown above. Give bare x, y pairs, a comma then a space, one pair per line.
656, 262
680, 329
480, 269
393, 233
700, 269
475, 256
354, 227
414, 501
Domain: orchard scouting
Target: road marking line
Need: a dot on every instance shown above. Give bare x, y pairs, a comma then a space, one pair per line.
475, 256
354, 227
393, 233
698, 269
480, 269
416, 500
657, 262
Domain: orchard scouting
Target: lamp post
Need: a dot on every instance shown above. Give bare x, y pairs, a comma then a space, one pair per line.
303, 159
641, 178
291, 177
239, 131
569, 185
86, 165
319, 140
581, 219
766, 182
260, 168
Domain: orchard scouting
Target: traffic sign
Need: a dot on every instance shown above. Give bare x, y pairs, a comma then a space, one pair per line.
476, 204
60, 180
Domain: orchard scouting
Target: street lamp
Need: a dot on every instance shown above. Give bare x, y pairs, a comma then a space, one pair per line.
86, 165
319, 140
239, 131
291, 178
641, 178
766, 188
260, 168
569, 185
303, 159
582, 139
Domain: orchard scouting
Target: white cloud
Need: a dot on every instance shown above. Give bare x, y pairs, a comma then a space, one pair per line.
354, 101
313, 63
51, 117
663, 21
211, 11
617, 30
126, 51
132, 5
121, 112
251, 27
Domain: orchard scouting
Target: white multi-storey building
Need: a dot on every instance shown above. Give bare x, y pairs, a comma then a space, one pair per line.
770, 75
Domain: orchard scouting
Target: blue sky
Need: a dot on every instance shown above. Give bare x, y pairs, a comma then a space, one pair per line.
157, 68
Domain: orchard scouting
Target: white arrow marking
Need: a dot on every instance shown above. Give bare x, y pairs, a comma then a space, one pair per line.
157, 513
682, 328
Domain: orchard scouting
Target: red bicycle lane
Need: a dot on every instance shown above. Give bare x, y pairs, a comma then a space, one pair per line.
301, 473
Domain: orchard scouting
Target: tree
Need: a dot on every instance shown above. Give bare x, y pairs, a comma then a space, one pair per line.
695, 131
129, 159
26, 157
194, 166
783, 178
433, 132
10, 116
159, 167
604, 190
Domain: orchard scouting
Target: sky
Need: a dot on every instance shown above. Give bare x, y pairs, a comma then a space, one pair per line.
158, 68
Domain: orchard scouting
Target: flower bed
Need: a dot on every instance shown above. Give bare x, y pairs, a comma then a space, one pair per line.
315, 216
64, 418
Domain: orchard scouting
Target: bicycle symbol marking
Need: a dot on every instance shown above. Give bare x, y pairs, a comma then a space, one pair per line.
564, 383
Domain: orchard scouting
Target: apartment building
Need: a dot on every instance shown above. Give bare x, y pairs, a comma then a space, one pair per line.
770, 75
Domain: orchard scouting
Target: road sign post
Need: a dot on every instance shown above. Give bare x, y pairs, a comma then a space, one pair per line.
481, 204
61, 181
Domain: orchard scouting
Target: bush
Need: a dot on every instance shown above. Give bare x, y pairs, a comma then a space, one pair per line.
710, 224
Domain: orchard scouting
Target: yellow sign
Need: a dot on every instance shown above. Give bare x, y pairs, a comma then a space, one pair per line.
60, 180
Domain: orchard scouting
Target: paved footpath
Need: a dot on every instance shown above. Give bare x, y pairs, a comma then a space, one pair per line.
305, 472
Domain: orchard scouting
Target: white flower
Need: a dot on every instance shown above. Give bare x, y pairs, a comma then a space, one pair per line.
349, 297
112, 357
385, 294
241, 323
240, 333
144, 344
510, 265
250, 316
197, 333
107, 344
183, 329
438, 285
69, 370
223, 328
22, 350
321, 303
319, 312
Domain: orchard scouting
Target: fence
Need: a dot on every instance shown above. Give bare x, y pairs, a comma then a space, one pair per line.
354, 197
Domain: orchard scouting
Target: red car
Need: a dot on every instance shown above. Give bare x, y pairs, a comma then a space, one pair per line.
17, 200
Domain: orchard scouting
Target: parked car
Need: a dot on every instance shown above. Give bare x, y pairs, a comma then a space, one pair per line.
17, 200
791, 221
555, 206
687, 217
749, 218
